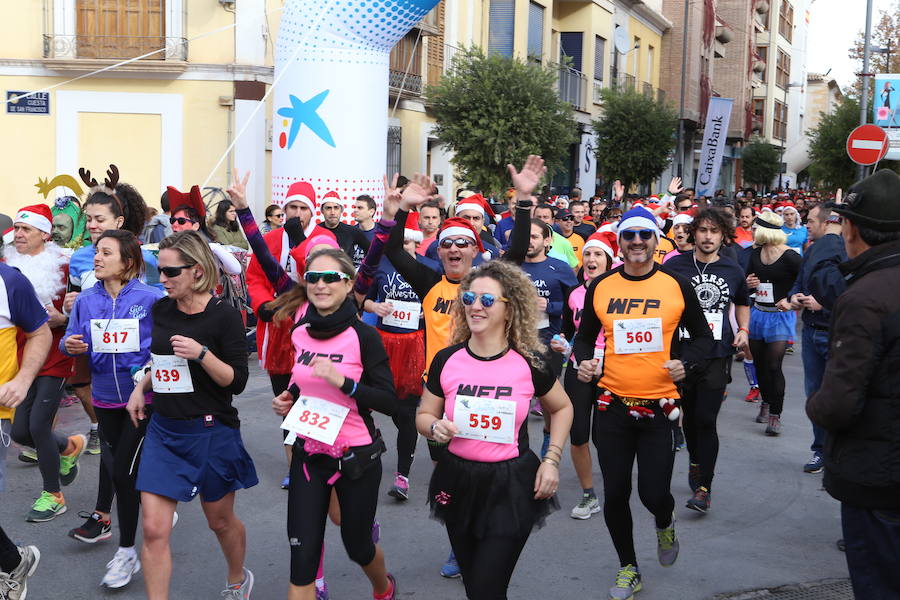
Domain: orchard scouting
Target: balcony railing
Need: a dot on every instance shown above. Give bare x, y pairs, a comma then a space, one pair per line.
624, 81
449, 52
661, 96
114, 47
406, 85
647, 89
573, 86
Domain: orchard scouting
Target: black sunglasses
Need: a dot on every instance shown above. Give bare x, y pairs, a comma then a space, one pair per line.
569, 218
326, 276
278, 216
460, 243
487, 300
629, 234
171, 272
180, 220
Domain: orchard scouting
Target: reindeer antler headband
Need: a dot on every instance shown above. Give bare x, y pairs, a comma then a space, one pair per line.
108, 186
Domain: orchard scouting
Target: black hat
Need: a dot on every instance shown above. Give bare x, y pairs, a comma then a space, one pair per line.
874, 202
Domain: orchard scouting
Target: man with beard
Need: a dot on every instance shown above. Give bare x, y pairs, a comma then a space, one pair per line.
639, 306
352, 240
46, 267
719, 283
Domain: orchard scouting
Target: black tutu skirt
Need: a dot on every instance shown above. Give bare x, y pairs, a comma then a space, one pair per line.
488, 499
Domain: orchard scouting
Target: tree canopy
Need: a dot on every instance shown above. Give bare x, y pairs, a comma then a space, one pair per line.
635, 136
492, 111
761, 162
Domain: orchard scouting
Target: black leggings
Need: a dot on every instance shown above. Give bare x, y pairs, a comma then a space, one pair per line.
280, 383
486, 564
584, 402
33, 427
120, 444
9, 553
619, 438
407, 436
768, 358
308, 498
701, 401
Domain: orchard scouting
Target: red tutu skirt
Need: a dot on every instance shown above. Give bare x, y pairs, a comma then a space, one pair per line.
406, 354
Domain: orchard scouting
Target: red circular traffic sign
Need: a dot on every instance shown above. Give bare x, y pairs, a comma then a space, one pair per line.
867, 144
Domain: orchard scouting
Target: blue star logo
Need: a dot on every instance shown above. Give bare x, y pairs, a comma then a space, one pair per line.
305, 112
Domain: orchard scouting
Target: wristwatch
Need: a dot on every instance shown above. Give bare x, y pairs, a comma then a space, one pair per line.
203, 352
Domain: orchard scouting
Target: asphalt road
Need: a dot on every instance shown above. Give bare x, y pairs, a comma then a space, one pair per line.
770, 523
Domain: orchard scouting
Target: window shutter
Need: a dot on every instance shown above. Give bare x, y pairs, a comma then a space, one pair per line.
570, 43
501, 27
535, 30
599, 56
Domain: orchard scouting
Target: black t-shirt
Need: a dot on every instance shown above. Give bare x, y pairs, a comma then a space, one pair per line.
352, 240
781, 275
221, 329
717, 285
585, 230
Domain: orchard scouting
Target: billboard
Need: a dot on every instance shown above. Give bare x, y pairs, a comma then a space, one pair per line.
886, 110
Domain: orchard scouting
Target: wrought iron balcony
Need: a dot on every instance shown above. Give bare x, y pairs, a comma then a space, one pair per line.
573, 86
406, 85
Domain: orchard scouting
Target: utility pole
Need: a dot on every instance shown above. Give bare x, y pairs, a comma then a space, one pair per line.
866, 77
684, 47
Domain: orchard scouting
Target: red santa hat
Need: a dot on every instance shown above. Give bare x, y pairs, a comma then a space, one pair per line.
684, 218
412, 231
476, 202
460, 226
36, 215
9, 236
303, 192
605, 240
192, 199
331, 196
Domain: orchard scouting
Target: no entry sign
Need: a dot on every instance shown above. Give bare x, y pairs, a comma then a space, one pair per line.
867, 144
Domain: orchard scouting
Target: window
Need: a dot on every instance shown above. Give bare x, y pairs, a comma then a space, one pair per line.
636, 52
599, 55
117, 29
759, 109
502, 15
782, 69
763, 52
786, 20
570, 46
779, 123
650, 59
535, 32
394, 144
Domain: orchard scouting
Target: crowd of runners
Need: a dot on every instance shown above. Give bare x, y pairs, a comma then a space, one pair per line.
617, 321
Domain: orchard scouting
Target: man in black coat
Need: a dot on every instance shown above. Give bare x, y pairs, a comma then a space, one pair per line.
858, 403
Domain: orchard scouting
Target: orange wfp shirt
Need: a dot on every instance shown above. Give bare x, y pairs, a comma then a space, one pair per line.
640, 317
577, 246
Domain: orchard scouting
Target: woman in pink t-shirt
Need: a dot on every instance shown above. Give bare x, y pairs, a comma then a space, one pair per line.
490, 489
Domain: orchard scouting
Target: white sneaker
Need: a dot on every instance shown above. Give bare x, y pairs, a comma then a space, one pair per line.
240, 591
588, 506
174, 519
121, 568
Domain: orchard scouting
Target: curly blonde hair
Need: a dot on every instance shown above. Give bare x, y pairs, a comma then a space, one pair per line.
521, 308
765, 235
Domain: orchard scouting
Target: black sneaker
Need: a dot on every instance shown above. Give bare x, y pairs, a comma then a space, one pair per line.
694, 476
679, 439
94, 530
700, 501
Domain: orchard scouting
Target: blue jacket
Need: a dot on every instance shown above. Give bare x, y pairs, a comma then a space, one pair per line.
82, 262
821, 277
111, 373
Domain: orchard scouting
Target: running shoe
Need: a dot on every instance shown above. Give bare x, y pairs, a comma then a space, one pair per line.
628, 581
841, 545
545, 445
391, 594
679, 439
763, 416
119, 571
752, 395
667, 545
14, 585
46, 507
789, 349
694, 476
536, 409
68, 463
321, 589
400, 489
93, 443
286, 482
68, 400
774, 426
240, 591
450, 569
588, 506
28, 455
815, 465
700, 501
94, 530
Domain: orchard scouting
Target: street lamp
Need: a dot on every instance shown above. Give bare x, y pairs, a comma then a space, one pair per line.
781, 165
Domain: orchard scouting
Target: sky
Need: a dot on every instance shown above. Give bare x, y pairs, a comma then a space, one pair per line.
834, 25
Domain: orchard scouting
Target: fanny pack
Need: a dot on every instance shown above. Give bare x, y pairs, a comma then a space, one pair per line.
355, 461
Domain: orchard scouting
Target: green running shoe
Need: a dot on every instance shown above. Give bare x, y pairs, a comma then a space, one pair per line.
667, 545
46, 508
628, 581
68, 463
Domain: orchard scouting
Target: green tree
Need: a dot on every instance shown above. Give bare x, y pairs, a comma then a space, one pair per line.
635, 136
830, 166
493, 110
885, 32
761, 162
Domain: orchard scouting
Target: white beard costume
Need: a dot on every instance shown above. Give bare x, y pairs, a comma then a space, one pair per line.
40, 270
